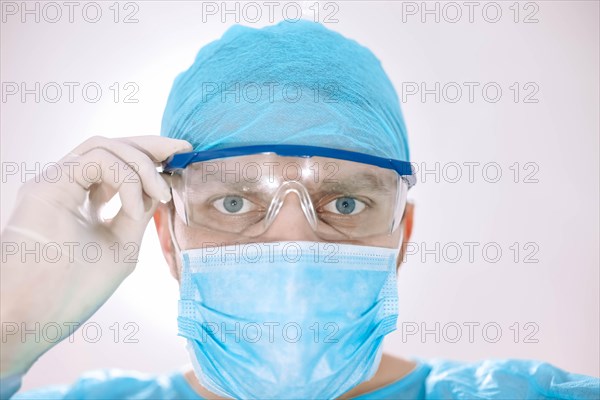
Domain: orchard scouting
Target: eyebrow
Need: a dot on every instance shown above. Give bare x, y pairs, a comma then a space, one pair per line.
362, 181
238, 186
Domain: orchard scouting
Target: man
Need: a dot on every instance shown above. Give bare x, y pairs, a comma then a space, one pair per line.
281, 210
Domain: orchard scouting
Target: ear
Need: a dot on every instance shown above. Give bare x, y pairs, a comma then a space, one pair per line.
407, 225
161, 220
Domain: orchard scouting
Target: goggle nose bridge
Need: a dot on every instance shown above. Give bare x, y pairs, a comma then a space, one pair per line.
279, 198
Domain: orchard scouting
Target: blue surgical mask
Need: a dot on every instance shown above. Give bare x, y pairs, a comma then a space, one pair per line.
287, 320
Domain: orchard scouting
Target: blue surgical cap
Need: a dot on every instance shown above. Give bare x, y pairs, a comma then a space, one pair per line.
290, 83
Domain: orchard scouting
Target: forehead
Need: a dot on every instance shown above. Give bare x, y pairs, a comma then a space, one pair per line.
312, 170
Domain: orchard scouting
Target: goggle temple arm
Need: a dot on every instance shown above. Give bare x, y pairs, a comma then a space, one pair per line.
174, 179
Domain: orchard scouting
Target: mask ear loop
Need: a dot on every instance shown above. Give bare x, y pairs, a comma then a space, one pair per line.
402, 198
171, 221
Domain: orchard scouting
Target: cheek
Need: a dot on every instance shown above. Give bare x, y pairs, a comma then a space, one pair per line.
390, 241
194, 238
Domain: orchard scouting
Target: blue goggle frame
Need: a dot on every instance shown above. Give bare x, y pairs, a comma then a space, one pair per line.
182, 160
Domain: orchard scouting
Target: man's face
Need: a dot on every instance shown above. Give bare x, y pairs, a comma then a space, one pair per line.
290, 223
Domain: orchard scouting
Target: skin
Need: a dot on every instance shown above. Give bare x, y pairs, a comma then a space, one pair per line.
290, 224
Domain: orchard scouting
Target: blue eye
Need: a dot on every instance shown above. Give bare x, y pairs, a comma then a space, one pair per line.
233, 205
345, 206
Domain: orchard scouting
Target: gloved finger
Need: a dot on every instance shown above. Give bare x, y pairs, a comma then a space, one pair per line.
157, 148
101, 194
124, 226
129, 194
152, 183
116, 174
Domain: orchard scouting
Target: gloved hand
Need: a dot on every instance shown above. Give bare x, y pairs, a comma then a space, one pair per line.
61, 261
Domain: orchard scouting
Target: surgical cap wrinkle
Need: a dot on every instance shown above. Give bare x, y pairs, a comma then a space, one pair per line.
290, 83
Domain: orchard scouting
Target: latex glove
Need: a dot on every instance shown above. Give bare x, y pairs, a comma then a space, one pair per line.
42, 285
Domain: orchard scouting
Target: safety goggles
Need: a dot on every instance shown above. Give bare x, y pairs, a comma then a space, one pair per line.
343, 194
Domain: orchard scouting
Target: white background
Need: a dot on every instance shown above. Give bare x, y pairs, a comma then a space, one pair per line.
559, 133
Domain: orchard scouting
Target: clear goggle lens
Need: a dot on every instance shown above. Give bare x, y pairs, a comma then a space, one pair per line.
243, 195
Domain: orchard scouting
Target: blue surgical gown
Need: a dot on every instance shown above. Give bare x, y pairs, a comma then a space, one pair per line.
432, 379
